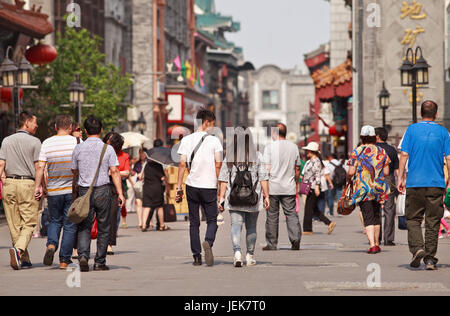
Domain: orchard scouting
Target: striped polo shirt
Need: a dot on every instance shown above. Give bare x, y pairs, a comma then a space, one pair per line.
57, 151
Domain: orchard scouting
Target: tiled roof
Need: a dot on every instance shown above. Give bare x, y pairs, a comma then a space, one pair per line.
30, 22
336, 76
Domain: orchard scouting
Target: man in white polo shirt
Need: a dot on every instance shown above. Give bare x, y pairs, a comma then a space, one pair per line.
204, 154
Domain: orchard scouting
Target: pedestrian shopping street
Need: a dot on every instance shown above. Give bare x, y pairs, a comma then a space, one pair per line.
160, 264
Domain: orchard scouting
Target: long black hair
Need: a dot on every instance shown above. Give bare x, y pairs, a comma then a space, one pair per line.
241, 149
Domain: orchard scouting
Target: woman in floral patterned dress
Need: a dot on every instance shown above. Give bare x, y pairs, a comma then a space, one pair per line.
369, 164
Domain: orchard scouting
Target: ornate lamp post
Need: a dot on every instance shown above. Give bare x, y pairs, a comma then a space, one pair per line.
16, 77
77, 96
384, 102
414, 71
141, 124
305, 125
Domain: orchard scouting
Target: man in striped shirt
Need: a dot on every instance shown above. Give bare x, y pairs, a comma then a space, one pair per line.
56, 155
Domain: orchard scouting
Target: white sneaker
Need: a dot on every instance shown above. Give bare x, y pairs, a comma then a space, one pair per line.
237, 259
250, 259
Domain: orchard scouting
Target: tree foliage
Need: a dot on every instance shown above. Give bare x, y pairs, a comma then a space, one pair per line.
106, 86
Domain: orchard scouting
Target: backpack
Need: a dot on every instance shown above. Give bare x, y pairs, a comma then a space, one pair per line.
340, 176
243, 190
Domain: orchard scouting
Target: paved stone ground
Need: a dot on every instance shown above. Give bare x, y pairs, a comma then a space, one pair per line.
160, 263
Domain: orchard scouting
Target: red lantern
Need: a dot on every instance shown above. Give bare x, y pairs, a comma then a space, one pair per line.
333, 131
6, 94
41, 54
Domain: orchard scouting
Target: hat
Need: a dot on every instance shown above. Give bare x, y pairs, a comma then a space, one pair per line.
368, 131
312, 147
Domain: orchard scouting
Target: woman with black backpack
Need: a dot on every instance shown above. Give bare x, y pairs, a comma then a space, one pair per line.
243, 190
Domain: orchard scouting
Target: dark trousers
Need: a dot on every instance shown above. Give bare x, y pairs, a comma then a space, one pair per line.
426, 202
311, 210
101, 206
207, 198
294, 228
390, 211
114, 215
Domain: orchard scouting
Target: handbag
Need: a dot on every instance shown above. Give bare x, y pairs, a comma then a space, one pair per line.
345, 203
139, 185
305, 188
79, 210
94, 229
401, 203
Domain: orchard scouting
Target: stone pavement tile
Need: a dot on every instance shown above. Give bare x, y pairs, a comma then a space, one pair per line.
160, 263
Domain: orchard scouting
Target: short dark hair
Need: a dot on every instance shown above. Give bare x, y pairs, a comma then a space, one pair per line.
24, 117
282, 130
382, 133
429, 109
368, 140
205, 115
115, 140
93, 125
63, 121
158, 143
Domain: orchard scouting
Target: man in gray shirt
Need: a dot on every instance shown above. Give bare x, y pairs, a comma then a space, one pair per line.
282, 159
19, 157
85, 160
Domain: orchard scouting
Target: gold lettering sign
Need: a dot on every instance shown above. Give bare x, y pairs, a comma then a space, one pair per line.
413, 11
411, 36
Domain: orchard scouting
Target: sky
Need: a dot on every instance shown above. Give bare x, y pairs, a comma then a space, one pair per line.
278, 31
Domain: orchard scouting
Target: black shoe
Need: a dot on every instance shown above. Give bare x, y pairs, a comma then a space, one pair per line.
389, 243
49, 254
430, 265
296, 245
101, 267
84, 264
26, 265
197, 261
209, 257
418, 256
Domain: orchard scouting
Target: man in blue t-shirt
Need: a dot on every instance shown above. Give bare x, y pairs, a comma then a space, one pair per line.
424, 147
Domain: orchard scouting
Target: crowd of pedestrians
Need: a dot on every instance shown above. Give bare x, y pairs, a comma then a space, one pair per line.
240, 179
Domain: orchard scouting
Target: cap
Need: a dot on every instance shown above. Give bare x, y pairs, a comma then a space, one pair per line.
368, 131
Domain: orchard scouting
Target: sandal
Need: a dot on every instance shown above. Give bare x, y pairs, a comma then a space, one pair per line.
164, 228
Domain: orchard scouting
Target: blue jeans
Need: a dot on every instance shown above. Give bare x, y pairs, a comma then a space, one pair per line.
334, 194
58, 207
238, 219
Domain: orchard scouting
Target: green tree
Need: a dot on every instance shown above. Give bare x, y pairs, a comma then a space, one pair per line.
106, 85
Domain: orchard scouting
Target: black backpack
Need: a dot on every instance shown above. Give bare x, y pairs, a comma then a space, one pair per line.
243, 190
340, 176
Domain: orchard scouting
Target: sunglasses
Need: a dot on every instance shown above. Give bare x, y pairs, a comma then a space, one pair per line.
77, 129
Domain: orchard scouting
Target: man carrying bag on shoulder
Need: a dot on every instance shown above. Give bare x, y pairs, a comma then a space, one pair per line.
202, 154
86, 165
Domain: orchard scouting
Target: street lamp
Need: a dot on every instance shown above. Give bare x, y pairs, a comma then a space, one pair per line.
16, 77
77, 96
414, 71
141, 124
305, 125
384, 102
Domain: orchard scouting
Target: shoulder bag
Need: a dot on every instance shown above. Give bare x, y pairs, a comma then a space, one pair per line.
345, 203
139, 185
194, 152
79, 210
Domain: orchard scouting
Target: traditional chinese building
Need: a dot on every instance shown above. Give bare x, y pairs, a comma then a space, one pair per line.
19, 26
382, 35
331, 69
